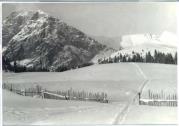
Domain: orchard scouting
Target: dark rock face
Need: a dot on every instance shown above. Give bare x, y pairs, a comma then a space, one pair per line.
46, 41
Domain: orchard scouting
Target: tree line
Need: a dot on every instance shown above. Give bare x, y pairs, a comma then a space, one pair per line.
15, 66
158, 57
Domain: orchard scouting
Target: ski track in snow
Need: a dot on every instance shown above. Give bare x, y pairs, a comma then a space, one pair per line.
119, 119
140, 70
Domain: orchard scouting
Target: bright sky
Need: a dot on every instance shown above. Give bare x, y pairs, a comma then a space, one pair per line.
109, 19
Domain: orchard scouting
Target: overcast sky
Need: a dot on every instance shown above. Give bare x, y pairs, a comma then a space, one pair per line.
109, 19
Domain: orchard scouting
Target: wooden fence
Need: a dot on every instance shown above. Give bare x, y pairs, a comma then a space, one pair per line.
159, 99
25, 92
58, 95
152, 102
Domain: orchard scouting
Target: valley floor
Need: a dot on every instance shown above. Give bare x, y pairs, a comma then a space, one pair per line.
120, 81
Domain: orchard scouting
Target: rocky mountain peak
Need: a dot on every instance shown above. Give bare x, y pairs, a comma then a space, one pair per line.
46, 41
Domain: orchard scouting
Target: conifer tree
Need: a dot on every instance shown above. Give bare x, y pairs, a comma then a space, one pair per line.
175, 58
156, 56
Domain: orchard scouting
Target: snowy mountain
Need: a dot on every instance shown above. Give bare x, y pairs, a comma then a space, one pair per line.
38, 40
143, 43
145, 48
166, 39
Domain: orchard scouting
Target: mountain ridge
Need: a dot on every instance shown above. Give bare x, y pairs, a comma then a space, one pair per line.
46, 41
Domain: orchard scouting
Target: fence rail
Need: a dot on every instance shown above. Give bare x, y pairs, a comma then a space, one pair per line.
159, 99
58, 95
159, 103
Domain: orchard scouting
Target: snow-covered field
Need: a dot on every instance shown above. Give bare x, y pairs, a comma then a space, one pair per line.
161, 78
21, 110
121, 81
151, 115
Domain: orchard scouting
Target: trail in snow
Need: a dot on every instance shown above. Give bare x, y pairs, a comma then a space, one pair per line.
122, 115
140, 70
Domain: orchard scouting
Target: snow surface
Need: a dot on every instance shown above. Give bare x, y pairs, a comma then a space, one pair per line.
144, 48
166, 38
21, 110
93, 79
169, 39
121, 81
161, 78
143, 43
151, 115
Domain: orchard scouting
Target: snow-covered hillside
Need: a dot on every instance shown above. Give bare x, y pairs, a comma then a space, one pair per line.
166, 38
143, 48
144, 43
121, 81
97, 78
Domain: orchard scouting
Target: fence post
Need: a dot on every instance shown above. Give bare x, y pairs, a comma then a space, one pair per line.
3, 86
139, 98
42, 94
11, 88
23, 92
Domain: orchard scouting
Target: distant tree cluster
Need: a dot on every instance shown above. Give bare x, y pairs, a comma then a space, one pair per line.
15, 66
6, 65
158, 57
65, 68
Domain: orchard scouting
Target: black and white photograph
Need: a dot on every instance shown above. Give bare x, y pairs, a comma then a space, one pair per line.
97, 63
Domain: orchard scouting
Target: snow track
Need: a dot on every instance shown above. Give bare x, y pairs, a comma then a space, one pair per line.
140, 70
123, 114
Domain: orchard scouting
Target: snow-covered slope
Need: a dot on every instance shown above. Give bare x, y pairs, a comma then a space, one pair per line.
144, 48
166, 38
46, 40
121, 82
143, 43
115, 79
